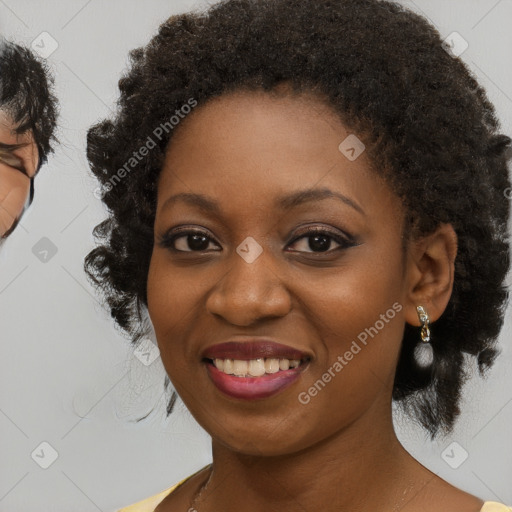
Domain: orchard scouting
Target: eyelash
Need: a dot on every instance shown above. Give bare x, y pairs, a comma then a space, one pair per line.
167, 241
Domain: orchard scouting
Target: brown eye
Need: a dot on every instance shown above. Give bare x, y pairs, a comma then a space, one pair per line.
319, 240
187, 241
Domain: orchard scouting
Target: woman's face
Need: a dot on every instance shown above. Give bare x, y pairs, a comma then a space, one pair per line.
16, 169
256, 271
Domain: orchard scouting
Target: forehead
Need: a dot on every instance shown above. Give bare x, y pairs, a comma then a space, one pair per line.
256, 130
260, 144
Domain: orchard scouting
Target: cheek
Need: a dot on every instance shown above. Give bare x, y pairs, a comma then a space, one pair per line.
344, 302
355, 302
173, 298
357, 316
14, 189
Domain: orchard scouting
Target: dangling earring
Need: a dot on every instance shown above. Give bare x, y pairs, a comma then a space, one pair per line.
423, 351
425, 322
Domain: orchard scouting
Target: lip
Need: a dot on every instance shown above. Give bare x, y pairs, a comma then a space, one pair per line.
253, 349
245, 349
254, 388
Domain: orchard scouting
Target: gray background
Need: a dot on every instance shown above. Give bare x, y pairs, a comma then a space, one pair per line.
68, 378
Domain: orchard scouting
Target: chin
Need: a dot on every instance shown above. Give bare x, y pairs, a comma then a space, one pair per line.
258, 447
263, 442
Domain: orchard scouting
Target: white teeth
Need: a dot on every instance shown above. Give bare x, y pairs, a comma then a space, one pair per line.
228, 366
257, 367
271, 365
254, 367
240, 367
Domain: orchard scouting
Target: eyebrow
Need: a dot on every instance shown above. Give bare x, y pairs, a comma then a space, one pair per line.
286, 202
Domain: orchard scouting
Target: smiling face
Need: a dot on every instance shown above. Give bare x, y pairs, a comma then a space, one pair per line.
17, 166
250, 156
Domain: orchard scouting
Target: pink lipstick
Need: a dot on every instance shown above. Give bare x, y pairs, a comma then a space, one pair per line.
254, 369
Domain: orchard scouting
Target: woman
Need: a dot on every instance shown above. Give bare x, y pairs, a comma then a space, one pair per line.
283, 184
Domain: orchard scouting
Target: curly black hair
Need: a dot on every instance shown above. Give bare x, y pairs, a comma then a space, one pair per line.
26, 95
427, 124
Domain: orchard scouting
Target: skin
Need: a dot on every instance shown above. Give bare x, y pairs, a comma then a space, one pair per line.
339, 451
15, 183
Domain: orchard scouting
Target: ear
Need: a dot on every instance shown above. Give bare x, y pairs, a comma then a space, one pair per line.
430, 273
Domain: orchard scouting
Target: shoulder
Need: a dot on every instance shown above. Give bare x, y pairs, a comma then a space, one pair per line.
150, 504
494, 506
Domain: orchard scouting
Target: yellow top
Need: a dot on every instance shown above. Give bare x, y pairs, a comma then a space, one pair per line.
149, 504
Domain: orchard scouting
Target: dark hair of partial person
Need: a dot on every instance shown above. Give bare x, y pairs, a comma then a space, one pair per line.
26, 95
428, 127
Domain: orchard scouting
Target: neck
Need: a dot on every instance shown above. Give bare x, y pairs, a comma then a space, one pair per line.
362, 467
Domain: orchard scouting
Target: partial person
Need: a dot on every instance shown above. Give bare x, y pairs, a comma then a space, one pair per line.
28, 114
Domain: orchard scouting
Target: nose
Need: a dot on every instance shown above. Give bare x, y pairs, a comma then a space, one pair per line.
249, 292
30, 155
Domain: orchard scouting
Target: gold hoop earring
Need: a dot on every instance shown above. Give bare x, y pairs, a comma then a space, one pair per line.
425, 322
